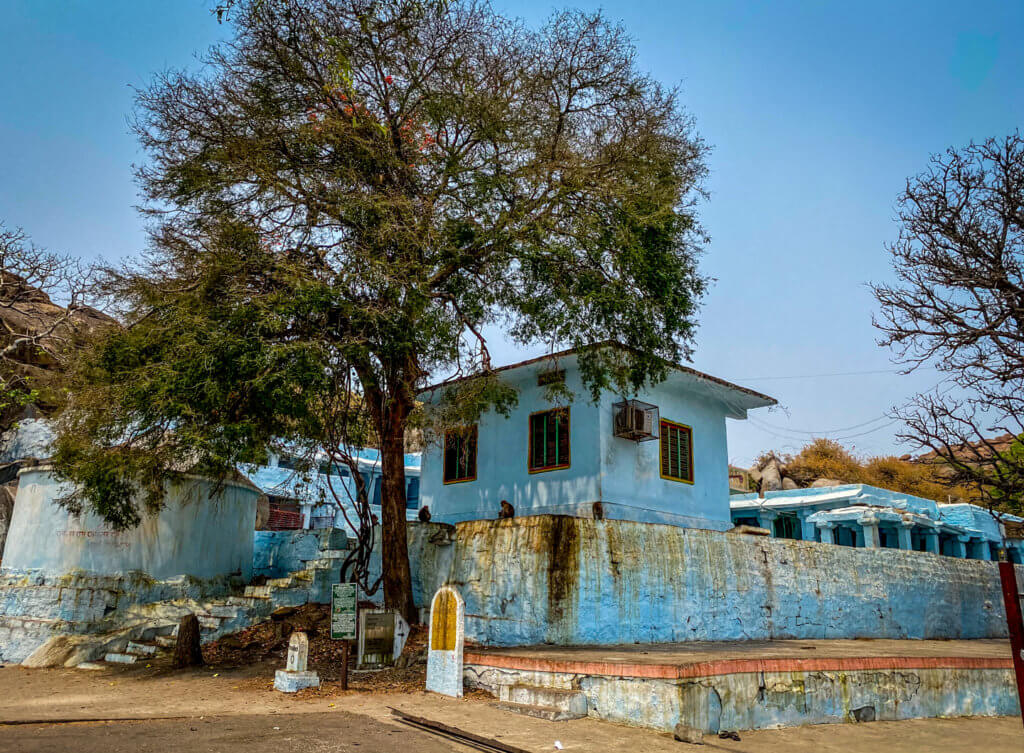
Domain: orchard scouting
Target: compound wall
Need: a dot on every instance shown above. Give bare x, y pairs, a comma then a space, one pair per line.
572, 581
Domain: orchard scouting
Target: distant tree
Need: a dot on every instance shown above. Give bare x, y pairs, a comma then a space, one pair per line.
44, 321
958, 304
352, 191
823, 458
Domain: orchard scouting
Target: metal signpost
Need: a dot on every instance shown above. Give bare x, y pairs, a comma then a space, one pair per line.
344, 599
1014, 621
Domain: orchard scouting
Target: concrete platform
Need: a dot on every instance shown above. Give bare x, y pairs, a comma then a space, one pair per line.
763, 684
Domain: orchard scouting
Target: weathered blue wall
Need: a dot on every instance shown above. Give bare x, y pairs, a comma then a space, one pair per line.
201, 531
564, 580
624, 475
276, 554
768, 700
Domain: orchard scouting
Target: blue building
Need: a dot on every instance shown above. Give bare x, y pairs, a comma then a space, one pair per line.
660, 457
306, 498
859, 515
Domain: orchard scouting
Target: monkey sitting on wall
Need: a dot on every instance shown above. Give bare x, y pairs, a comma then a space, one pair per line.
507, 510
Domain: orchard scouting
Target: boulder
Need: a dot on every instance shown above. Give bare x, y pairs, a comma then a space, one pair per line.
56, 652
817, 484
687, 734
7, 492
788, 483
750, 530
771, 476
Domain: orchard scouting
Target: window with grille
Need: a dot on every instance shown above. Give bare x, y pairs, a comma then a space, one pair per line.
676, 451
460, 454
549, 440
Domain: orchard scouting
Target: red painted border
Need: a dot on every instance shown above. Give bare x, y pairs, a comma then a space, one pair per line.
735, 666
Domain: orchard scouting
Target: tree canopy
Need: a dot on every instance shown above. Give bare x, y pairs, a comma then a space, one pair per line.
348, 196
958, 305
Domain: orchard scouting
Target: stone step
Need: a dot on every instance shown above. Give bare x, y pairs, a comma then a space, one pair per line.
333, 554
258, 592
540, 712
249, 602
572, 702
281, 582
223, 611
140, 649
119, 658
90, 665
210, 623
166, 641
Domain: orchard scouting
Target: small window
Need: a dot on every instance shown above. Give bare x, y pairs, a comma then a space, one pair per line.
549, 440
412, 493
460, 454
676, 452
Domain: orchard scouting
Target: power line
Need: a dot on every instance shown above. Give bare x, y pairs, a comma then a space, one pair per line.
821, 433
822, 376
843, 437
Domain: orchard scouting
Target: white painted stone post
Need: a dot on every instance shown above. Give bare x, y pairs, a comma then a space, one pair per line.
445, 643
295, 676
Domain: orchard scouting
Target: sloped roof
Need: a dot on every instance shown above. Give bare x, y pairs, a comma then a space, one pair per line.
749, 398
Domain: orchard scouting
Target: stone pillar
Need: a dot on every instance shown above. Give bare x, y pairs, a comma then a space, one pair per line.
931, 541
905, 529
982, 550
869, 523
826, 532
960, 547
766, 519
806, 527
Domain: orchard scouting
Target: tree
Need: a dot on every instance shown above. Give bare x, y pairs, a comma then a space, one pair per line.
958, 304
354, 191
39, 336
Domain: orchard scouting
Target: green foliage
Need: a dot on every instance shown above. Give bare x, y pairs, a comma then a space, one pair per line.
350, 194
826, 458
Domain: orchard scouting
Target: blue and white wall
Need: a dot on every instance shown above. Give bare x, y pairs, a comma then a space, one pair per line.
625, 476
201, 531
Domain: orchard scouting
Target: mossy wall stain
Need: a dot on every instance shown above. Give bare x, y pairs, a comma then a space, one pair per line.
563, 565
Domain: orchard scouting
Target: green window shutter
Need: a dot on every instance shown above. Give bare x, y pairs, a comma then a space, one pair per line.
676, 451
460, 454
549, 439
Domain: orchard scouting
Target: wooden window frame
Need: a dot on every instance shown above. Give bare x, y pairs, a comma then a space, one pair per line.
664, 436
465, 430
529, 442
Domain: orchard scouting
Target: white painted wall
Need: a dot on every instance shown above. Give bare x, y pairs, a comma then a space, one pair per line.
198, 533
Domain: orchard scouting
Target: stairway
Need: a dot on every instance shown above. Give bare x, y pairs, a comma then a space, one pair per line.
553, 704
157, 623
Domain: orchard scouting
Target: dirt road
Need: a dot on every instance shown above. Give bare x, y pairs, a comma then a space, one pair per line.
236, 710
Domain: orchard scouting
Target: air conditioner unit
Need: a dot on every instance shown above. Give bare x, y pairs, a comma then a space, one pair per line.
635, 420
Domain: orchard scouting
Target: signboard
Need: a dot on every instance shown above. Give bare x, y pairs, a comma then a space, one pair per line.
343, 611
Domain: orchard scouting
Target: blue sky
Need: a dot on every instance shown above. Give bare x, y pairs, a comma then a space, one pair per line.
817, 112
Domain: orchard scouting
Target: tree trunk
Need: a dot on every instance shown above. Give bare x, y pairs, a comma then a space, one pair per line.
394, 542
187, 652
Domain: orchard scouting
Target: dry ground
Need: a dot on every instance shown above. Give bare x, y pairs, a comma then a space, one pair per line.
236, 709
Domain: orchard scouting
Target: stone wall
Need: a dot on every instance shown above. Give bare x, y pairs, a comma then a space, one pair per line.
203, 530
575, 581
